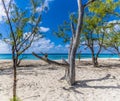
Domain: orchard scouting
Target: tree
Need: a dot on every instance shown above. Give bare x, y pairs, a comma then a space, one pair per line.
25, 28
75, 27
98, 11
94, 21
95, 45
75, 40
19, 21
112, 37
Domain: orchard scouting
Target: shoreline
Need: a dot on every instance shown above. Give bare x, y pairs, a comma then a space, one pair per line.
59, 59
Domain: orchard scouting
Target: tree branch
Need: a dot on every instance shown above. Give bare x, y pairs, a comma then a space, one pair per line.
32, 33
73, 29
51, 61
11, 28
9, 5
89, 2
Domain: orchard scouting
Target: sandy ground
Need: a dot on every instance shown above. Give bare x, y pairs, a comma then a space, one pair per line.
38, 81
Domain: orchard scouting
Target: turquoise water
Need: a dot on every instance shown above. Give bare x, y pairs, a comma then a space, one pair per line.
56, 56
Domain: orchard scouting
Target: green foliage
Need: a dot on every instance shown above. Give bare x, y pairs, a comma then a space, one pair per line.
63, 32
20, 23
19, 32
96, 18
24, 21
112, 36
15, 99
101, 7
73, 18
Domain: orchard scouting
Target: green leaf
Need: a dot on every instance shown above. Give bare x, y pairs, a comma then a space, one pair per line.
19, 33
25, 20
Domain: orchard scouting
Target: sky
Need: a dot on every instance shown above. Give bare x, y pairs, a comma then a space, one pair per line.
58, 12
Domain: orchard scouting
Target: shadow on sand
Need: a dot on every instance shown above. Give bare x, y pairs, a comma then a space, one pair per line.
83, 84
27, 69
101, 65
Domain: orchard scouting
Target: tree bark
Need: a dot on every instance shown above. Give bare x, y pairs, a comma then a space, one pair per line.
13, 53
75, 43
94, 58
50, 61
14, 73
94, 61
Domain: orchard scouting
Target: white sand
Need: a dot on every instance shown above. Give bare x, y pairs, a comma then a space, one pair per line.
41, 82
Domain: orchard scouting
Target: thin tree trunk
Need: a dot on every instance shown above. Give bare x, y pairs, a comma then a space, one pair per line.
13, 52
15, 80
14, 74
94, 61
94, 58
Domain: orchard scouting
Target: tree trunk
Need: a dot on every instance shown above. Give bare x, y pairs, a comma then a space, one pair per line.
14, 74
18, 61
70, 48
94, 61
94, 58
15, 79
71, 70
75, 43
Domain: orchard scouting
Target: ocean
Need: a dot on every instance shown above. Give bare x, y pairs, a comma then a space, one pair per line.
56, 56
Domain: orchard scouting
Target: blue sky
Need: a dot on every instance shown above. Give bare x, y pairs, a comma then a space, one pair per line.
58, 12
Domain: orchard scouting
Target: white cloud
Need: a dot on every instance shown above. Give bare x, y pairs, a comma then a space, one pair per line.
116, 25
45, 5
44, 29
39, 9
2, 12
46, 46
67, 46
60, 49
29, 36
41, 45
4, 47
114, 22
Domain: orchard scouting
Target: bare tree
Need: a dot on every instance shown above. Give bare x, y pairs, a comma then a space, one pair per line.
75, 41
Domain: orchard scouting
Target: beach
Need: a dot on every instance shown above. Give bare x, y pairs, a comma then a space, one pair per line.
39, 81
